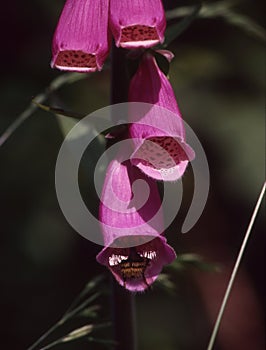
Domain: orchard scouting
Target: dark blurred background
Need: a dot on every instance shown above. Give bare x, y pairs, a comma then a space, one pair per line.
218, 75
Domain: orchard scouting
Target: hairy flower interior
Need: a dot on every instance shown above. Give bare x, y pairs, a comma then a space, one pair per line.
132, 256
138, 33
75, 59
161, 152
131, 263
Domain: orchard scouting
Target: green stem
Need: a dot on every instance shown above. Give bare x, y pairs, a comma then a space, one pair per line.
64, 79
44, 336
79, 308
62, 320
123, 302
235, 270
51, 345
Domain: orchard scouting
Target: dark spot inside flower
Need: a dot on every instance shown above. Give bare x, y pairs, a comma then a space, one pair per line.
138, 33
75, 59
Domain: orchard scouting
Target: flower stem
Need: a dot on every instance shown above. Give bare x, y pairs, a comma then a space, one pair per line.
235, 270
123, 302
44, 336
123, 309
64, 79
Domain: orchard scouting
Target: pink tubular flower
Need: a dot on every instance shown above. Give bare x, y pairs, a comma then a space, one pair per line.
157, 128
131, 221
136, 23
81, 41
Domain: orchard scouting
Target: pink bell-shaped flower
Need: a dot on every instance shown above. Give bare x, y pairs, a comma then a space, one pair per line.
137, 23
157, 128
81, 40
132, 224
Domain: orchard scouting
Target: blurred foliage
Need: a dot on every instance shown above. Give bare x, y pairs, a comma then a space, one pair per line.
83, 309
221, 9
183, 263
218, 75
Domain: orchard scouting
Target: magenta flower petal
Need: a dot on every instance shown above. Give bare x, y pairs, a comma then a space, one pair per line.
81, 39
130, 206
136, 268
158, 130
137, 23
132, 223
167, 54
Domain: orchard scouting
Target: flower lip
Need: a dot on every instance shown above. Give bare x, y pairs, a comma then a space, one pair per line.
138, 44
136, 268
139, 36
161, 152
81, 40
137, 23
132, 267
75, 60
162, 157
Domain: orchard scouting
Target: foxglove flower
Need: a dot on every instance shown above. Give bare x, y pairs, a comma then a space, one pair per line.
157, 128
81, 40
136, 23
131, 219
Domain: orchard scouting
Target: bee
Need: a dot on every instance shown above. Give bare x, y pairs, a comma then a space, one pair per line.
133, 266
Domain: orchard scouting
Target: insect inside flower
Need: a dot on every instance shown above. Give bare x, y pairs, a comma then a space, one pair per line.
132, 266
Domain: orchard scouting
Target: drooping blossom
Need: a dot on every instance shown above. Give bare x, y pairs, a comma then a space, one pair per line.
81, 39
157, 128
131, 219
136, 23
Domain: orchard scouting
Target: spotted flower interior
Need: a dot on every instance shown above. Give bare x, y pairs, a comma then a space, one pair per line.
138, 35
81, 40
161, 153
75, 60
137, 23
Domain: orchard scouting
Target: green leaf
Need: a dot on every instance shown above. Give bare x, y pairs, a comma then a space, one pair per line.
185, 261
246, 24
89, 287
207, 10
182, 263
162, 62
80, 308
57, 83
223, 9
174, 30
164, 282
108, 343
65, 124
83, 305
78, 333
91, 311
58, 111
